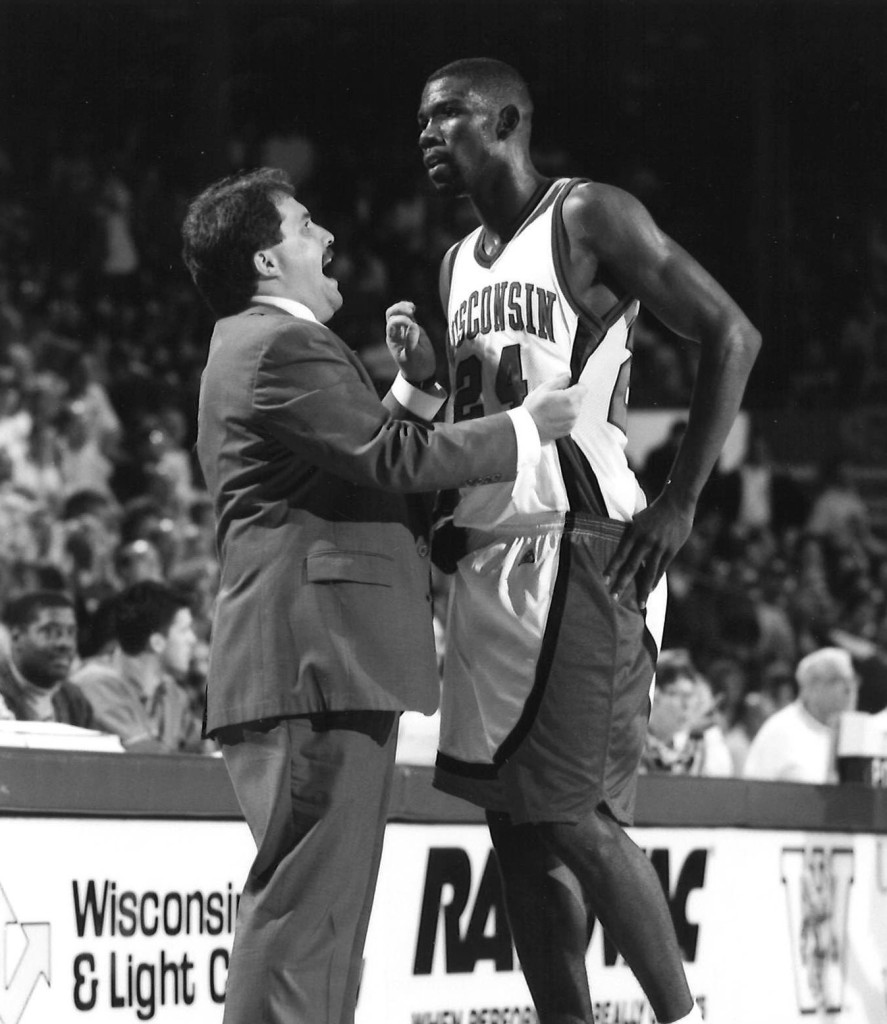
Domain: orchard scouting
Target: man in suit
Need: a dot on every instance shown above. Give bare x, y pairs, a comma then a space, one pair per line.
323, 630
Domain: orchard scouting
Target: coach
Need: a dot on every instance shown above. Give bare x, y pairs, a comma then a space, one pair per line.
322, 633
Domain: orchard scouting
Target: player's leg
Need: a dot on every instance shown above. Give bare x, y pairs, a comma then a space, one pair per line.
579, 750
549, 921
627, 898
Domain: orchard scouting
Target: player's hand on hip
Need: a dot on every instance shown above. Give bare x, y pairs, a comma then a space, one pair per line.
408, 343
651, 541
555, 407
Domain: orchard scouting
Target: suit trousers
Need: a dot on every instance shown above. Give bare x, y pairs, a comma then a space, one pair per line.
314, 790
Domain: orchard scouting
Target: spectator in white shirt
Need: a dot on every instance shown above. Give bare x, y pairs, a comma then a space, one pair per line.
797, 743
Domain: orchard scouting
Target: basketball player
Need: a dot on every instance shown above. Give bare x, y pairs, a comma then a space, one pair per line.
558, 602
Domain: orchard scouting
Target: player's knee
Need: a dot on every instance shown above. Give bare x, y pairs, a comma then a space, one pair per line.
594, 838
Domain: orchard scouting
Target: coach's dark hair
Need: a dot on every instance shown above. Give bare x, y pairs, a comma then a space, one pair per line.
226, 225
21, 611
142, 609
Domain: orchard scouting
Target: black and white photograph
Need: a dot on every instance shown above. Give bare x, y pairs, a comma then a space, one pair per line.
443, 511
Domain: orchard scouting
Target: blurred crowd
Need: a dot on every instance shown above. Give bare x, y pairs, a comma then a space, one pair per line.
102, 341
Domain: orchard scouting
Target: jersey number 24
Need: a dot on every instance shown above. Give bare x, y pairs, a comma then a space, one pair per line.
511, 387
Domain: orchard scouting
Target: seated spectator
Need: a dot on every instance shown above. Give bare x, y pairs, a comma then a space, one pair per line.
34, 681
682, 735
754, 709
137, 561
838, 509
145, 519
778, 684
811, 605
729, 683
87, 541
18, 512
39, 474
135, 690
82, 463
757, 495
707, 727
168, 469
15, 420
797, 743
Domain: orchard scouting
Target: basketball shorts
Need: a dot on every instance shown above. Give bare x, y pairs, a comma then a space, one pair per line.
547, 679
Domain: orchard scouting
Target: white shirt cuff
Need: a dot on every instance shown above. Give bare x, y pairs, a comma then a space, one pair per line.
529, 447
424, 404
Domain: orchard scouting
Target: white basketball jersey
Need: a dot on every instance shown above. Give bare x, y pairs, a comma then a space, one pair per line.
513, 325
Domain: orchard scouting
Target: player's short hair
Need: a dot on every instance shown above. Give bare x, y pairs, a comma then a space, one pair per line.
225, 226
496, 79
21, 611
143, 609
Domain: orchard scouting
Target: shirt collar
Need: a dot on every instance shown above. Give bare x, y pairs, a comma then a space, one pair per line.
298, 309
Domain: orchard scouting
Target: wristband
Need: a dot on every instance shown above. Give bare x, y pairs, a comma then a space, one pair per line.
428, 384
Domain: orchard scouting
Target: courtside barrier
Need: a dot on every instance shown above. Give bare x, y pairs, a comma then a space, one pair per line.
119, 879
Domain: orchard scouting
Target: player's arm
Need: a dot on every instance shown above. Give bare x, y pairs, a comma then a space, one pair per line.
610, 228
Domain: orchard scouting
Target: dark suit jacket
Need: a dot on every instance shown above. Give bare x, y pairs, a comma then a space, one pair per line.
324, 601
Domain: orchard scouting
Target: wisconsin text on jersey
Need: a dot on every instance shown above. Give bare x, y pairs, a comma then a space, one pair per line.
517, 305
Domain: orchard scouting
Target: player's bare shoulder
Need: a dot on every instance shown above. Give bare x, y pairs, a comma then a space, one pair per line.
597, 219
600, 218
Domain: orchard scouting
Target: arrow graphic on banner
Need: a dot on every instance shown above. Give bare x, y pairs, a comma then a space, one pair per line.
20, 978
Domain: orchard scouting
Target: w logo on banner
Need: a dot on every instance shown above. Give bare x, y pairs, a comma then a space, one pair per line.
24, 960
817, 882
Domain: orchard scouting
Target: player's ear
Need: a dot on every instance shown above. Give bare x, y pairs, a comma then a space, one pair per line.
509, 119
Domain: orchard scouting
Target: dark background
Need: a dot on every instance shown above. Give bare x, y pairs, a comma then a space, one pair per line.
754, 131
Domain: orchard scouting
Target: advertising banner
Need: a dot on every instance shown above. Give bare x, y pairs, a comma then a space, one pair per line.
775, 927
117, 920
128, 920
